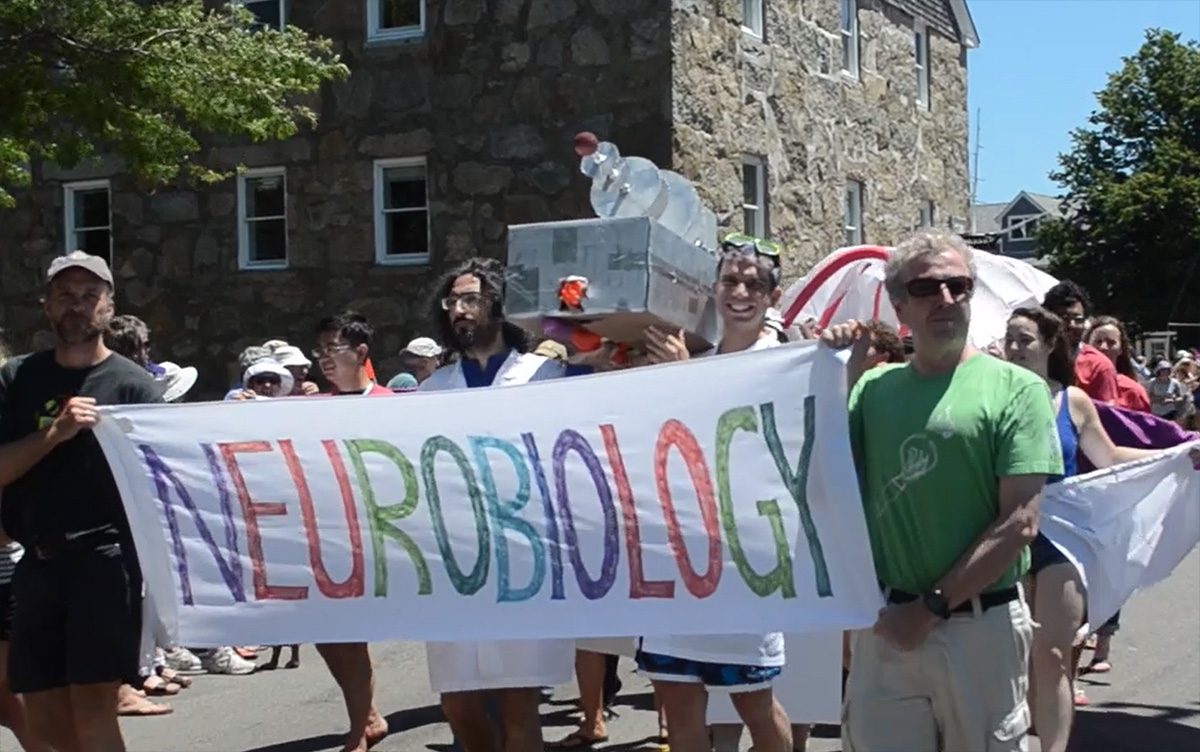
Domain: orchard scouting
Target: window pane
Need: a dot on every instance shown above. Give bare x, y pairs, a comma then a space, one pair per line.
265, 197
268, 240
750, 221
95, 242
919, 40
396, 14
407, 232
750, 184
91, 208
847, 55
851, 236
404, 188
268, 12
847, 14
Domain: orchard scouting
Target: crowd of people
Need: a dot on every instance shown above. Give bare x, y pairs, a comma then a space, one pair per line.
980, 604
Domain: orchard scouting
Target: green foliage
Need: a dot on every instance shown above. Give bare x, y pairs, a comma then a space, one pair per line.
140, 80
1132, 190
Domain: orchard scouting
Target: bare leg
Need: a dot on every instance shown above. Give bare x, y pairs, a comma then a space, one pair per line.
1058, 610
13, 711
726, 737
350, 665
466, 712
271, 665
94, 710
770, 730
590, 670
800, 732
686, 705
52, 720
521, 718
294, 660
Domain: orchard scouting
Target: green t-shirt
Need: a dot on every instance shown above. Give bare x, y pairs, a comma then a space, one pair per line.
929, 452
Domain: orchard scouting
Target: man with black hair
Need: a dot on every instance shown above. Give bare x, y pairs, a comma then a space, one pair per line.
76, 630
1094, 372
467, 311
342, 351
685, 669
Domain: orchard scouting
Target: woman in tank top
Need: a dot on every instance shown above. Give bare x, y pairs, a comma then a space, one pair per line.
1035, 341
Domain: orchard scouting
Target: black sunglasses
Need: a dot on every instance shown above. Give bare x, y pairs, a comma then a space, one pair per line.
927, 287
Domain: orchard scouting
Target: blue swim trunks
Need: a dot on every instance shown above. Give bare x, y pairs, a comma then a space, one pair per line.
723, 677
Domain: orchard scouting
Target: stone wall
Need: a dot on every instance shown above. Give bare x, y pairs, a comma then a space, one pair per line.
786, 99
493, 95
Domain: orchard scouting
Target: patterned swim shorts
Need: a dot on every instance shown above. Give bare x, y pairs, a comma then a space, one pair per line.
722, 677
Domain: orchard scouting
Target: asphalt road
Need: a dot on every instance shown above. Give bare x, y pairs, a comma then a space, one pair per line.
1150, 701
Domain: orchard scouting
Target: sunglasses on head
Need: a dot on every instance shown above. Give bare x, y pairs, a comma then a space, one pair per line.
926, 287
751, 245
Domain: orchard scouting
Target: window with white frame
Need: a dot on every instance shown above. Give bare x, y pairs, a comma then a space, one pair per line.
1022, 227
270, 13
850, 37
395, 19
401, 211
921, 65
87, 213
753, 17
754, 196
262, 219
852, 221
926, 218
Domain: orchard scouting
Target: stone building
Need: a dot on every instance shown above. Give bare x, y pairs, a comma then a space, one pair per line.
816, 122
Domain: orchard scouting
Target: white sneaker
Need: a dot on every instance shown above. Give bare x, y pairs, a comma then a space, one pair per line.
226, 661
183, 661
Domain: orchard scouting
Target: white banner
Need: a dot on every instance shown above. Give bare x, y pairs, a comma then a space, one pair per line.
717, 496
1126, 527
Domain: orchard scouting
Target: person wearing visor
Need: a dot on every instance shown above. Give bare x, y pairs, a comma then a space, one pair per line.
291, 358
266, 379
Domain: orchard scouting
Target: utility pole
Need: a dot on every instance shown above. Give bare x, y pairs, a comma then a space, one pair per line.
975, 159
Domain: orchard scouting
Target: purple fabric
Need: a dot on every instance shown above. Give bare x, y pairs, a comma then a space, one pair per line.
156, 370
1128, 428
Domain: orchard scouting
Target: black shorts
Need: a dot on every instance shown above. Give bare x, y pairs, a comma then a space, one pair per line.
6, 611
78, 621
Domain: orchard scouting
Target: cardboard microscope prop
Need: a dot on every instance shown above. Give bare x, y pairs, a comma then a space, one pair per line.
647, 259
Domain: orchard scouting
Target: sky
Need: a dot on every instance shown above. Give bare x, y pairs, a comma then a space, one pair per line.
1034, 76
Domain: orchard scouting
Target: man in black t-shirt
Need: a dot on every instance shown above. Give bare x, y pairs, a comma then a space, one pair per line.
78, 589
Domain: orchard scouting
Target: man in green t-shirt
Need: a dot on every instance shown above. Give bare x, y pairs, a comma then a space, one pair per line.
952, 451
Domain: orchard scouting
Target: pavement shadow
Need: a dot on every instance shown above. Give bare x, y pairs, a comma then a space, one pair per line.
1134, 727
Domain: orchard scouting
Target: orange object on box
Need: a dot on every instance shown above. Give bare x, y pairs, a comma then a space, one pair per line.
571, 292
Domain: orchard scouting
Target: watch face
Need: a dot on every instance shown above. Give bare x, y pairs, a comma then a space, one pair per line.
937, 603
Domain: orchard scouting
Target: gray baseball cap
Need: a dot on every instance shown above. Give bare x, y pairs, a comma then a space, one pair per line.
80, 260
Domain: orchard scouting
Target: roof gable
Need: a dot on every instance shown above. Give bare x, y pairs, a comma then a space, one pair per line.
951, 17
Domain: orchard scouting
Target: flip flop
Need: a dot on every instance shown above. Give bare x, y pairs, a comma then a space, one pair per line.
577, 740
1097, 667
174, 677
157, 686
144, 709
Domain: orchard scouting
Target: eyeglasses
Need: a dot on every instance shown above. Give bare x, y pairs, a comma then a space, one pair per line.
266, 380
751, 245
468, 300
329, 352
927, 287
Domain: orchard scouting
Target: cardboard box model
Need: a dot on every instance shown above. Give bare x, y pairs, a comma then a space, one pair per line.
645, 260
637, 274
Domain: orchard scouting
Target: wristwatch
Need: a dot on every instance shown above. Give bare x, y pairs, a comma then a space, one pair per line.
937, 604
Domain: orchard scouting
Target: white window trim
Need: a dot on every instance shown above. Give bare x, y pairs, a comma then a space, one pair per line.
376, 34
382, 257
69, 229
1020, 222
283, 20
850, 36
762, 222
854, 189
246, 263
921, 69
754, 21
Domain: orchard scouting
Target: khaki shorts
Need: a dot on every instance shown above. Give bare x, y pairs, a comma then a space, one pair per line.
964, 688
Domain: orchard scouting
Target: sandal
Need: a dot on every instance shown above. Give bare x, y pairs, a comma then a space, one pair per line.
1097, 667
1081, 700
172, 676
157, 686
577, 740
